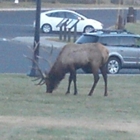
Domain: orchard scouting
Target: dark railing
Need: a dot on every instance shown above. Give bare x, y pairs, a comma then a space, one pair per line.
62, 24
66, 26
74, 25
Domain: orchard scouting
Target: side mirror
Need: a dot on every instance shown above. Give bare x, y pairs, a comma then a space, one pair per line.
79, 18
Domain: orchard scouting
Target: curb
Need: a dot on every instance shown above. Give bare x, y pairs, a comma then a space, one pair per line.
72, 8
43, 42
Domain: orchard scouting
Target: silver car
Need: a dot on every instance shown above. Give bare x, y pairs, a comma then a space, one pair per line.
124, 48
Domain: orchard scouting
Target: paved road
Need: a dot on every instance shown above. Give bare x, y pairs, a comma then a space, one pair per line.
11, 57
16, 23
19, 24
12, 60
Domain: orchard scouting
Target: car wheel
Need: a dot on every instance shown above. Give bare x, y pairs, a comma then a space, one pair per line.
88, 29
113, 65
46, 28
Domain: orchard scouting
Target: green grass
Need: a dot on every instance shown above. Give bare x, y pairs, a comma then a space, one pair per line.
27, 112
133, 27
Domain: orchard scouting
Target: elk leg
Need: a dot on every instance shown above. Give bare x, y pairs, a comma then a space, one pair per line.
104, 73
96, 79
72, 77
74, 82
69, 84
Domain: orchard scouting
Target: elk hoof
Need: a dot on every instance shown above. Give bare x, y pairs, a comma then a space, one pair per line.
89, 94
67, 93
75, 93
49, 92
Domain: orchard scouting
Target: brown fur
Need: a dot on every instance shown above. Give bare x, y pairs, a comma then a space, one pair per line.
90, 57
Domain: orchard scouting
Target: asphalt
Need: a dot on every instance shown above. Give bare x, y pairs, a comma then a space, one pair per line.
44, 41
20, 64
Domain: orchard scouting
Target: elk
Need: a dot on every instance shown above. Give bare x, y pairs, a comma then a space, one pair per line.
90, 57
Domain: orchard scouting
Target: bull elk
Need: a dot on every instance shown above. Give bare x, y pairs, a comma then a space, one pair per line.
89, 57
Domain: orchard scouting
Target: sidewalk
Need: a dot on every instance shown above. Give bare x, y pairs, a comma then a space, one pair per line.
43, 41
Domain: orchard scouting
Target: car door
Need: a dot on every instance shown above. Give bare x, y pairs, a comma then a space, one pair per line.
73, 19
111, 42
55, 18
129, 51
137, 43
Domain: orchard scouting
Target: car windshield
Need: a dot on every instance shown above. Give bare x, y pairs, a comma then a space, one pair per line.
87, 39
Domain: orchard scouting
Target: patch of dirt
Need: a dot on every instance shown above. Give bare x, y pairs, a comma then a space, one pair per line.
12, 121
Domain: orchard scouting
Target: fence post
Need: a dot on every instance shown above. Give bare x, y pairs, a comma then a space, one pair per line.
36, 44
65, 31
60, 33
75, 32
69, 35
131, 16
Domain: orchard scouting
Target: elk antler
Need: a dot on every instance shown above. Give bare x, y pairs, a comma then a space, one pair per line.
49, 62
42, 76
50, 54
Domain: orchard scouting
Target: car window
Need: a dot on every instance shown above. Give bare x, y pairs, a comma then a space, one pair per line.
127, 41
87, 39
137, 42
71, 15
109, 40
57, 14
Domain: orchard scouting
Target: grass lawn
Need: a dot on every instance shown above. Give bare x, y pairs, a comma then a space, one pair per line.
133, 27
28, 113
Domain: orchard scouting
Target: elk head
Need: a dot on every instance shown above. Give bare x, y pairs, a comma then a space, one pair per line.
44, 79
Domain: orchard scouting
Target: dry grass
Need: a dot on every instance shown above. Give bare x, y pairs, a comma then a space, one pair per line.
106, 3
27, 112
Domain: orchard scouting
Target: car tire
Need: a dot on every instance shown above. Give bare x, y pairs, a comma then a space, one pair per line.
88, 29
46, 28
113, 65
